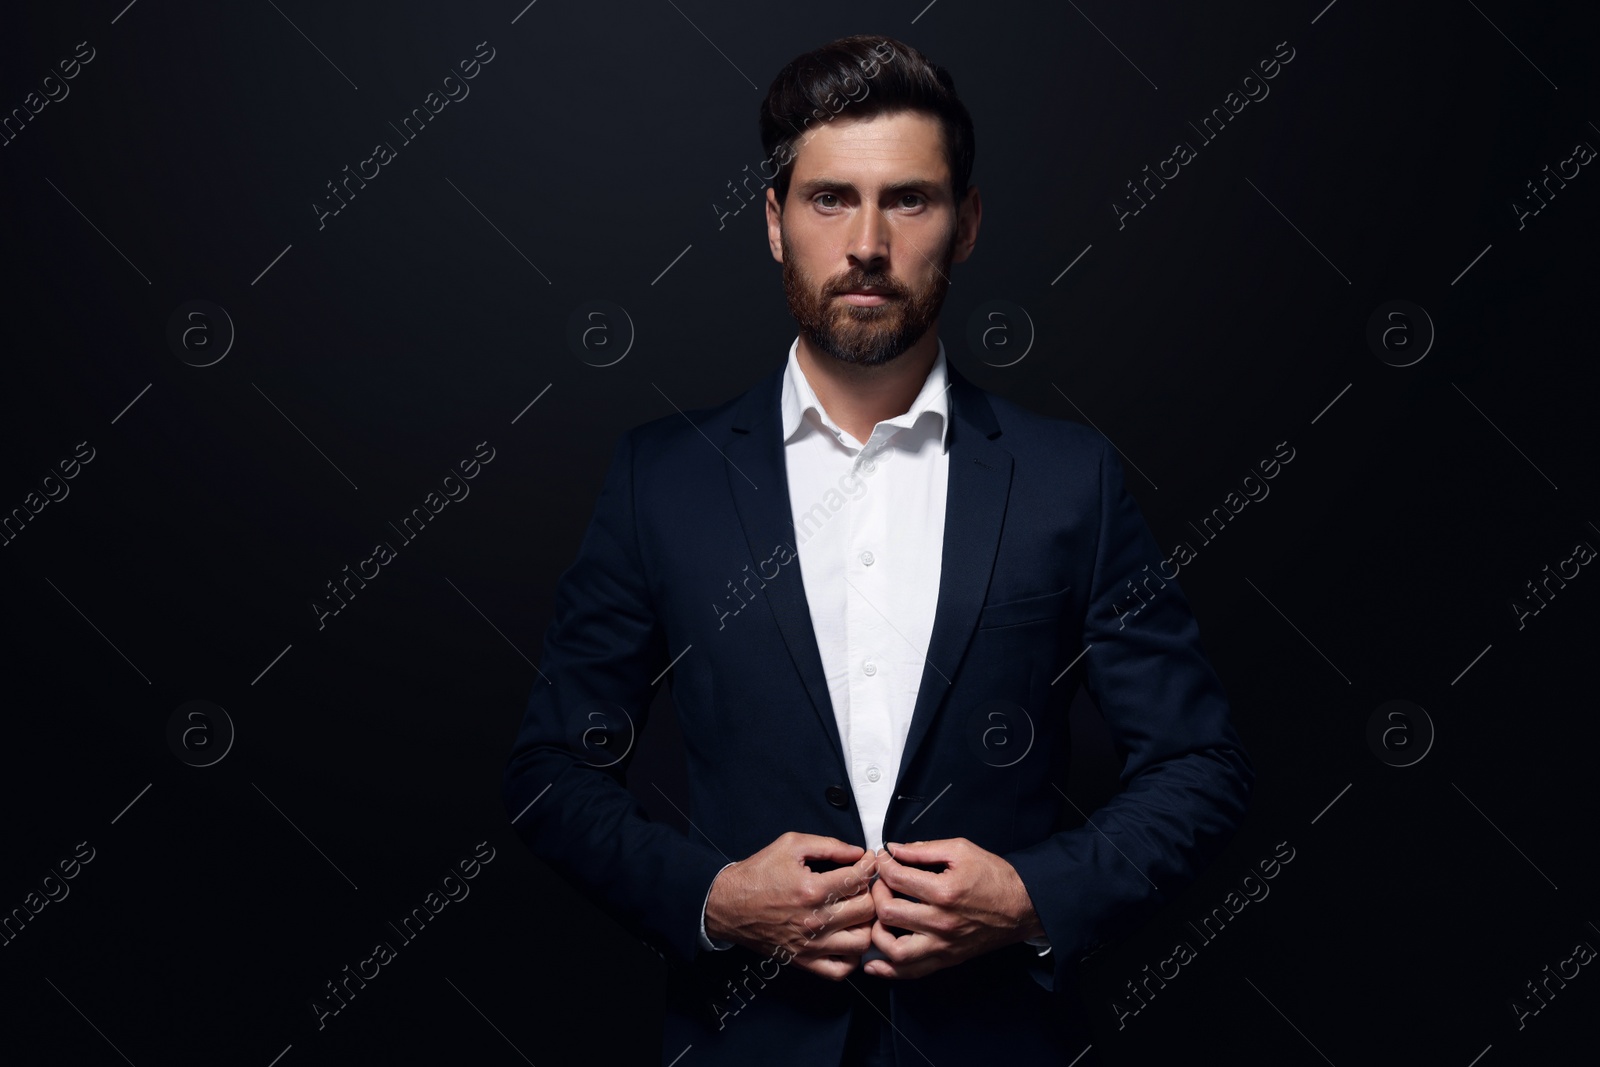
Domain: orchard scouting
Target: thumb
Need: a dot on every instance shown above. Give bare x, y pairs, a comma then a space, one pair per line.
815, 846
919, 851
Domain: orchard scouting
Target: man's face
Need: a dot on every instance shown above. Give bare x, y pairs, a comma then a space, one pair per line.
869, 208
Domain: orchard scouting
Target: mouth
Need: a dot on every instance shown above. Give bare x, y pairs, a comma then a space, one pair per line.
868, 297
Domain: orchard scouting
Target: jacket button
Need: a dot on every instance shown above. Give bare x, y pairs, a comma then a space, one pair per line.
838, 797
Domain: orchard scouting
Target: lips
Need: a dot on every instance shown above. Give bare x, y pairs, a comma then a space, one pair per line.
868, 297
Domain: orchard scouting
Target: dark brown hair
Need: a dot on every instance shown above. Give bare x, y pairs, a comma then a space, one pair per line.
863, 75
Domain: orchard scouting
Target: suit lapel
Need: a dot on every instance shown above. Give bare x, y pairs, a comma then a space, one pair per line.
759, 480
979, 481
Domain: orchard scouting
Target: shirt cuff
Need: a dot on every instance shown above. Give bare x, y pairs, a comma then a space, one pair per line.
705, 942
1040, 943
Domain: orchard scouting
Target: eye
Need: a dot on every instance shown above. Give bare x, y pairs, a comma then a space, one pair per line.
918, 197
819, 197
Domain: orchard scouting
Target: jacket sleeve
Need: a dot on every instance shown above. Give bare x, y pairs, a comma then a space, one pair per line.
1186, 778
563, 786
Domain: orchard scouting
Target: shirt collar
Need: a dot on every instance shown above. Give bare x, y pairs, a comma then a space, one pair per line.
798, 398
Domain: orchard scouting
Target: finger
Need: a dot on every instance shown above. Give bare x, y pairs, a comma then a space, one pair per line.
847, 881
817, 847
851, 941
940, 851
828, 966
910, 915
923, 885
842, 912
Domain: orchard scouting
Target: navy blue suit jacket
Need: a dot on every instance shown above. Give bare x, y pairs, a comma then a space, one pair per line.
1041, 541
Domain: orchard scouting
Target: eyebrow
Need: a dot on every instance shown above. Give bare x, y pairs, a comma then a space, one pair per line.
812, 186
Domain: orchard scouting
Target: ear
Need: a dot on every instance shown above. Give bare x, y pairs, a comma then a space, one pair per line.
968, 217
774, 225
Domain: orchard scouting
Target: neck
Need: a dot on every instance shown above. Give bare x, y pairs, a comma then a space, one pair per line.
857, 397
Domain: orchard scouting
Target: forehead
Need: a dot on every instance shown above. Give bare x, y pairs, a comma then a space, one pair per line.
883, 146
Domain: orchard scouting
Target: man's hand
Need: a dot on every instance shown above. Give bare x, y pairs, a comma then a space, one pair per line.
976, 904
774, 903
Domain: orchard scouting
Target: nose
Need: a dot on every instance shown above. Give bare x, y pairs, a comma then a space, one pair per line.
869, 239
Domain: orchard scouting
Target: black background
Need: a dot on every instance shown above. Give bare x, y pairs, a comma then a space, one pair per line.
588, 163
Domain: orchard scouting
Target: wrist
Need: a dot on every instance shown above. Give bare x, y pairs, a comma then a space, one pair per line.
715, 930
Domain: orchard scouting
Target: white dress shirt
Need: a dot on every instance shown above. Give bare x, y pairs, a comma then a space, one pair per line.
869, 525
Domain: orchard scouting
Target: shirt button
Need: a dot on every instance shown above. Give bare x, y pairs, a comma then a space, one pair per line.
873, 774
867, 558
869, 466
870, 668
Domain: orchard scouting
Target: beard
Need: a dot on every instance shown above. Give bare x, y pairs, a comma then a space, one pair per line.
864, 336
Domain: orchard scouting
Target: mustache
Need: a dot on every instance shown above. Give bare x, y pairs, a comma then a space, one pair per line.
890, 287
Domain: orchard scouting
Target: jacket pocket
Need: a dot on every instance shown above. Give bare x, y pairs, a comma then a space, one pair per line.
1040, 608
